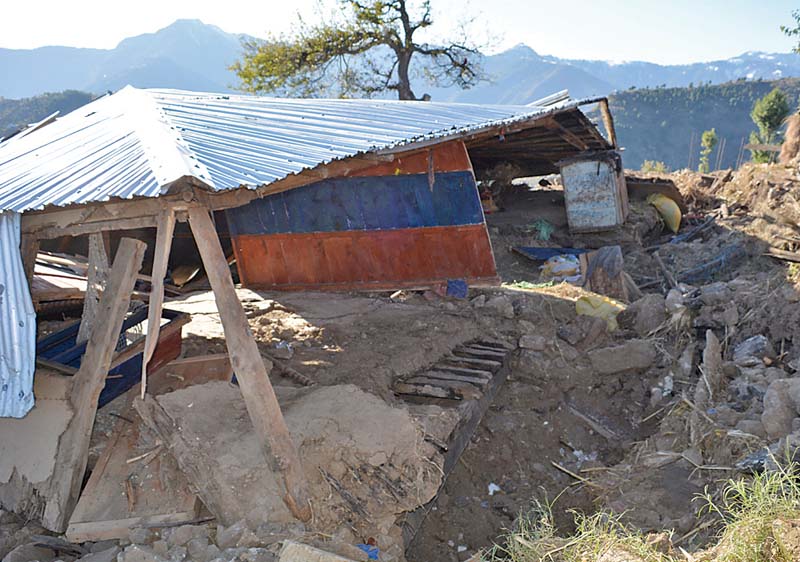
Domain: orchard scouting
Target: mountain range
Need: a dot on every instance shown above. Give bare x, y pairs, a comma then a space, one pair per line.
192, 55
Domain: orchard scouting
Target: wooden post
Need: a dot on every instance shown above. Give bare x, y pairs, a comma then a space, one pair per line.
29, 248
251, 373
166, 227
608, 122
88, 382
96, 277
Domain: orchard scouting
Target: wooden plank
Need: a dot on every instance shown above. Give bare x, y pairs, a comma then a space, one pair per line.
96, 227
570, 137
472, 361
783, 255
608, 122
491, 354
166, 228
160, 492
96, 277
463, 390
262, 404
425, 390
29, 247
136, 347
448, 376
73, 447
472, 412
57, 367
477, 373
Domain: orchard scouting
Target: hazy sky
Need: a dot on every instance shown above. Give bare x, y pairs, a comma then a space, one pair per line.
672, 31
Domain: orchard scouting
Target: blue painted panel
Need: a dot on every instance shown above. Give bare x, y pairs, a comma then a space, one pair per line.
363, 203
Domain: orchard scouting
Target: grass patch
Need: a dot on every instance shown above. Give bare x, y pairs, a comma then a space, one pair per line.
755, 514
759, 522
598, 537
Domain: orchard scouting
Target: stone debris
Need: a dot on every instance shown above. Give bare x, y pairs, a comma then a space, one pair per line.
630, 356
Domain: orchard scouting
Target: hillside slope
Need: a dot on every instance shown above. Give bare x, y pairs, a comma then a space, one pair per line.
16, 114
657, 124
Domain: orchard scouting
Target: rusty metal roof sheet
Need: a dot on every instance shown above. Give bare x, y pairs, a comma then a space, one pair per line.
135, 142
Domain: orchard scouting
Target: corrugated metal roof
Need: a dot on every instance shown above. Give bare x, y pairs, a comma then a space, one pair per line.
17, 325
135, 142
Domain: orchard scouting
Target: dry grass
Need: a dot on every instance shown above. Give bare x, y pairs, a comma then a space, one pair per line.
759, 522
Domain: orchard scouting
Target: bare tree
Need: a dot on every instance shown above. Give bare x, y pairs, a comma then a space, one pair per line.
371, 50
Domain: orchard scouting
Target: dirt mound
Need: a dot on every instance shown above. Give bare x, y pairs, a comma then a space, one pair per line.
365, 461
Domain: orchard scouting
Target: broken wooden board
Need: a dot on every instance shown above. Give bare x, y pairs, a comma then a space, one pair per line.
135, 483
42, 482
467, 413
122, 494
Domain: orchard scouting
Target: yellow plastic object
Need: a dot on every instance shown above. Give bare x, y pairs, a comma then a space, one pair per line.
668, 209
600, 307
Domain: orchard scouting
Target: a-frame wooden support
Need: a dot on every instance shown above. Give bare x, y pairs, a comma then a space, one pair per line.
251, 372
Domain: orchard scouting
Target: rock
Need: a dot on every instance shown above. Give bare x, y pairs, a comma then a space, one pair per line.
196, 548
674, 301
533, 342
141, 536
160, 547
752, 351
228, 537
177, 554
29, 553
501, 305
212, 552
753, 427
100, 546
139, 553
715, 294
693, 456
179, 536
786, 533
632, 355
649, 313
780, 407
297, 552
283, 350
249, 540
107, 555
478, 302
257, 555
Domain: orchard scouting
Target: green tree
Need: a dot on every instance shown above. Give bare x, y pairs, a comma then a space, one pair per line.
707, 143
654, 166
768, 114
793, 31
368, 51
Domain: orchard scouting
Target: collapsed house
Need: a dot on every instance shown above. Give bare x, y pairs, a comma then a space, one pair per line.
318, 194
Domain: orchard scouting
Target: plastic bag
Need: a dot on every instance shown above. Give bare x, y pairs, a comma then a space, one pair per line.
600, 307
564, 267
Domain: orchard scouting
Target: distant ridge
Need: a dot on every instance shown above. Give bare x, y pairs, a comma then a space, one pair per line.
192, 55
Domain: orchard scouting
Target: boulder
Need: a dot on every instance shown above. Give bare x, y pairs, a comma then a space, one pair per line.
533, 342
648, 314
29, 553
501, 305
780, 407
631, 355
752, 351
107, 555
